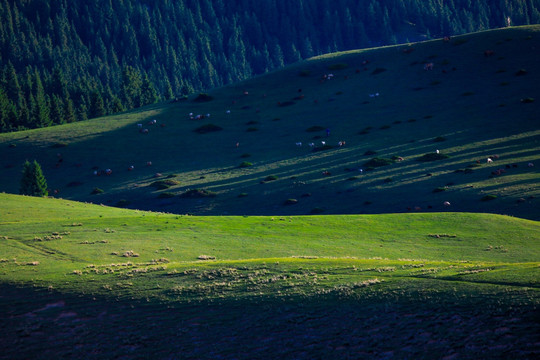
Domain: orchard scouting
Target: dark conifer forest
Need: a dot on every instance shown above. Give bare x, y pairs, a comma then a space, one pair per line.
64, 61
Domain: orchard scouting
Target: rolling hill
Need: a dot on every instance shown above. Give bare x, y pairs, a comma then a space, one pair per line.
87, 281
479, 100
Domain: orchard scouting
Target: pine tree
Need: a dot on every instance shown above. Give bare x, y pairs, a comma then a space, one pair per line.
97, 106
69, 112
33, 182
131, 87
148, 92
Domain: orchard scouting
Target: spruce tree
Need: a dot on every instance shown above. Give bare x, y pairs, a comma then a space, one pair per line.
97, 106
33, 182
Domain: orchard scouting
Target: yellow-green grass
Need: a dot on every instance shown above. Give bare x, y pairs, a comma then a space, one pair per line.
404, 283
474, 106
53, 242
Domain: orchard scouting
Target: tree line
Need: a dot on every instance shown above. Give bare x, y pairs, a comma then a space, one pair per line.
64, 61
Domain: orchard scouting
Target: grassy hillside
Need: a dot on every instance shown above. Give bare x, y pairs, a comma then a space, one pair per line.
97, 281
469, 106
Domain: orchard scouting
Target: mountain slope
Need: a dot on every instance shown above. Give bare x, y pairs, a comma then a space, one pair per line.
479, 100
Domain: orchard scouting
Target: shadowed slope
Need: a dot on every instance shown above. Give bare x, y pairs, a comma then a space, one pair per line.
469, 106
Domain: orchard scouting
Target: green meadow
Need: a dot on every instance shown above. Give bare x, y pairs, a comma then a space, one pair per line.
240, 243
92, 266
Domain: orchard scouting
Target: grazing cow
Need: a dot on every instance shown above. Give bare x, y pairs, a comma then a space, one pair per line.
428, 66
108, 171
299, 144
323, 143
489, 160
139, 126
148, 163
489, 53
311, 144
446, 203
326, 173
530, 164
131, 167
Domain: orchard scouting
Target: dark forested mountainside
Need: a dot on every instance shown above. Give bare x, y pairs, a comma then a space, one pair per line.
64, 61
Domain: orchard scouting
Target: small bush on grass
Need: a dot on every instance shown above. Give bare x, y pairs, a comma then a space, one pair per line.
12, 146
290, 202
122, 203
245, 155
197, 194
304, 73
286, 103
388, 180
166, 195
378, 162
74, 183
338, 66
206, 257
378, 71
208, 128
317, 210
385, 127
527, 100
314, 128
458, 42
488, 197
521, 72
322, 148
96, 191
202, 97
245, 164
252, 129
439, 139
270, 178
241, 195
164, 184
58, 145
432, 157
130, 253
439, 189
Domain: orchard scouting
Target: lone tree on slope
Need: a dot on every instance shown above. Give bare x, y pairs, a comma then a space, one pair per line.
33, 182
